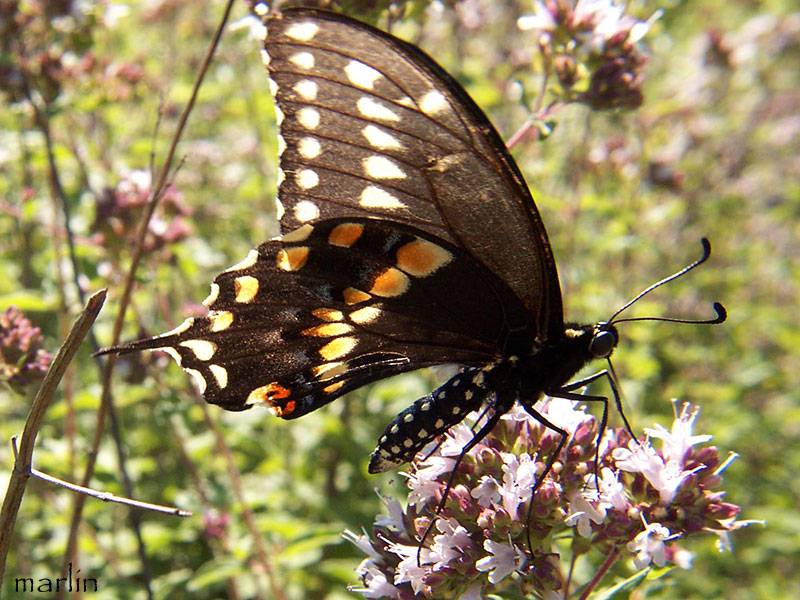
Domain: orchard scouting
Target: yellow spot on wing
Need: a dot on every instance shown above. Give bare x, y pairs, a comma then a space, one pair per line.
180, 328
327, 314
380, 167
345, 235
245, 288
421, 258
203, 349
333, 387
365, 315
173, 353
433, 103
354, 296
375, 197
302, 31
220, 320
328, 330
392, 282
298, 235
329, 370
307, 89
337, 348
292, 259
304, 60
220, 374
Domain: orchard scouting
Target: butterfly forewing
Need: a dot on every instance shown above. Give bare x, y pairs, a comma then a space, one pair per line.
370, 126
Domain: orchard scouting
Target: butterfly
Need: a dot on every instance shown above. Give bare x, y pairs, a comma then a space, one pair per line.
408, 239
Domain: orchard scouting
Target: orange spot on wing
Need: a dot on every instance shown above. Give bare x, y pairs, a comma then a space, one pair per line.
337, 348
392, 282
328, 330
292, 259
345, 235
327, 314
267, 394
421, 258
354, 296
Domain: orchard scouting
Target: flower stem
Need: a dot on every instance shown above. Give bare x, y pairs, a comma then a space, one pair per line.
610, 560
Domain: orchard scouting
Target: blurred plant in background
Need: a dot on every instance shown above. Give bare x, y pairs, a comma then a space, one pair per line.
591, 48
23, 363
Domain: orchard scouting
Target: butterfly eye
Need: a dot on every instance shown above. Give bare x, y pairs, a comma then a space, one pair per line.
602, 344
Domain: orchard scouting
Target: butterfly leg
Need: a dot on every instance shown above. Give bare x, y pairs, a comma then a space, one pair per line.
568, 393
548, 466
482, 433
565, 392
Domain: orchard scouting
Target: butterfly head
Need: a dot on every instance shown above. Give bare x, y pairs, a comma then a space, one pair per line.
604, 340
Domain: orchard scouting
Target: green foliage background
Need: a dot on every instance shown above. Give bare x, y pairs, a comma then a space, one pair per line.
626, 196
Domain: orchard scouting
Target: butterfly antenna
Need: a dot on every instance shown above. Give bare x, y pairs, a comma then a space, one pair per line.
722, 314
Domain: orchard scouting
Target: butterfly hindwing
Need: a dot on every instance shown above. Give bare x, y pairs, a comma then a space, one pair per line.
337, 304
371, 126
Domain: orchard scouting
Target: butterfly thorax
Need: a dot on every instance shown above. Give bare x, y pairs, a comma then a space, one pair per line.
550, 366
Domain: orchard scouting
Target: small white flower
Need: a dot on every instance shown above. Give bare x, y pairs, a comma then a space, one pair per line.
394, 520
567, 414
424, 483
648, 546
362, 542
679, 439
504, 559
375, 584
487, 492
517, 413
518, 481
608, 20
683, 558
612, 492
583, 513
541, 18
451, 542
410, 570
666, 477
455, 440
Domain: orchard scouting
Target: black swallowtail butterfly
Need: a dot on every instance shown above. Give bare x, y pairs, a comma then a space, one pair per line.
409, 239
